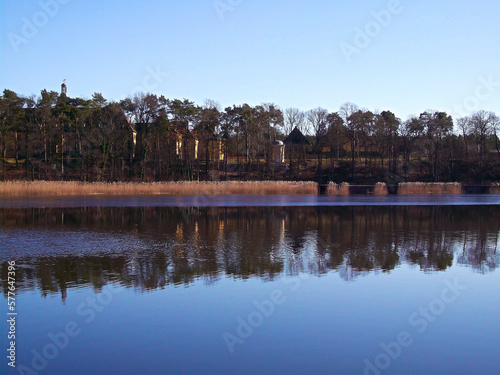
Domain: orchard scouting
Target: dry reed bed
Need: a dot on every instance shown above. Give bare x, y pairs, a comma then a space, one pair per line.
73, 188
343, 189
380, 189
434, 188
495, 188
337, 189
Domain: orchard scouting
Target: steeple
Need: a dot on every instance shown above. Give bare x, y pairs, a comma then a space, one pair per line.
64, 88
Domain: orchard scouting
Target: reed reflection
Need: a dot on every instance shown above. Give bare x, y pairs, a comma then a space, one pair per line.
152, 247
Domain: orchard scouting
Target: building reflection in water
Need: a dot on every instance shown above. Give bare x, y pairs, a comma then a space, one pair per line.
150, 248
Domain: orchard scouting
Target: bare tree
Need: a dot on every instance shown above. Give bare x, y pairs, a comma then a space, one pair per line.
464, 126
318, 121
346, 113
346, 110
496, 128
482, 125
293, 117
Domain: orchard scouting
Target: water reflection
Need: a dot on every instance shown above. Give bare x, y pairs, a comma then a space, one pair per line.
152, 247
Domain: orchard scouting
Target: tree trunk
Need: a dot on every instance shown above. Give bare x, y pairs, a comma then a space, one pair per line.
26, 150
16, 153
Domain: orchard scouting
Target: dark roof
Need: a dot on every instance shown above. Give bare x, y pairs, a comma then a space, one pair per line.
297, 138
179, 128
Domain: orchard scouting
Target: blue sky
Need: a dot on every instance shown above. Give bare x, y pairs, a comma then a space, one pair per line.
420, 55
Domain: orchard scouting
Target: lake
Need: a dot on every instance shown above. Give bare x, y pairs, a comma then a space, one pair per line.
253, 285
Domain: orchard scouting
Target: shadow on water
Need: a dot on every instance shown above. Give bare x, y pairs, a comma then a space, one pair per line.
152, 247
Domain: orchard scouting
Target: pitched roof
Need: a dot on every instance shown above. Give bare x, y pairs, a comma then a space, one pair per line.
179, 128
297, 138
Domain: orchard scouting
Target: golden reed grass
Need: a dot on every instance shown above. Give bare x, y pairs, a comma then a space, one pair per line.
74, 188
337, 189
380, 189
434, 188
343, 189
495, 188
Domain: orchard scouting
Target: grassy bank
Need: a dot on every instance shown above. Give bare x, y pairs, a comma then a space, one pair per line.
73, 188
434, 188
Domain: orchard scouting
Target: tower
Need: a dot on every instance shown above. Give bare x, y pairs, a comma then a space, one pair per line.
278, 152
64, 88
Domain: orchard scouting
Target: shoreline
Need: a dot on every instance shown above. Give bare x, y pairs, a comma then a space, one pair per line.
48, 189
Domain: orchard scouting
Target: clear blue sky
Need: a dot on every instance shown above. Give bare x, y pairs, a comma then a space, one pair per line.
429, 55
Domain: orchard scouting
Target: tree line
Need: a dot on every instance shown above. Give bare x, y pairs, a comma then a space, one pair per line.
53, 136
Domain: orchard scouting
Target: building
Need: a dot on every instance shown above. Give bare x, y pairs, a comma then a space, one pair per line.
296, 143
191, 145
278, 152
64, 88
185, 142
360, 148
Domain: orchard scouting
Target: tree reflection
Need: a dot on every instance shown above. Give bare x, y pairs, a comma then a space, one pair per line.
151, 248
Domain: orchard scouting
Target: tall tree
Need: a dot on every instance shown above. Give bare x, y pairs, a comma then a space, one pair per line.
47, 125
318, 120
437, 126
142, 109
246, 127
336, 133
207, 123
464, 127
108, 136
268, 119
11, 122
482, 126
391, 126
293, 118
160, 131
347, 110
228, 125
410, 131
359, 125
181, 110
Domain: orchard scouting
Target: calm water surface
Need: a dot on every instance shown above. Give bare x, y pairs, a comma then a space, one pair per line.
295, 289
